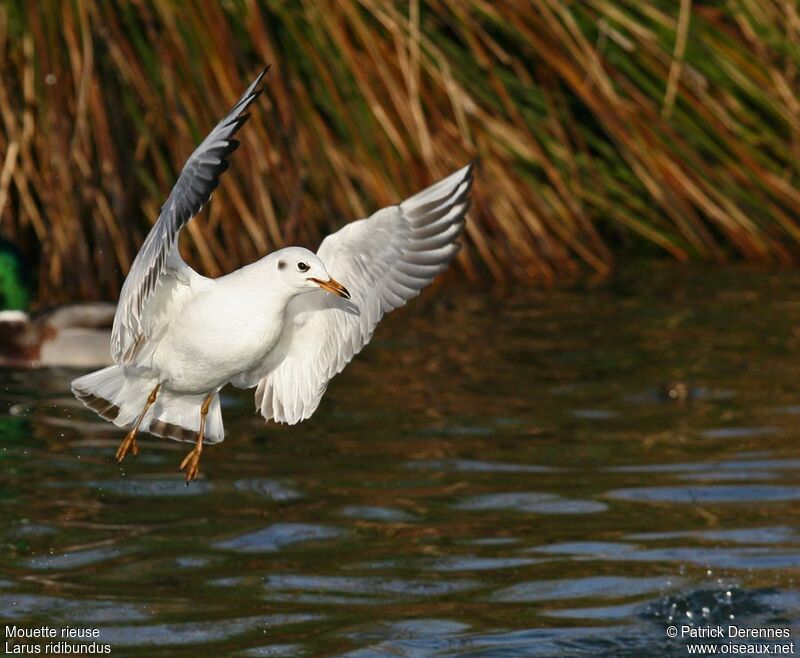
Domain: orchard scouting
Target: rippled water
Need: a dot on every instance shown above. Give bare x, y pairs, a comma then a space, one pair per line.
527, 474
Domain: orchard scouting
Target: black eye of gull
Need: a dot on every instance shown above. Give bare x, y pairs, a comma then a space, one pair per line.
303, 267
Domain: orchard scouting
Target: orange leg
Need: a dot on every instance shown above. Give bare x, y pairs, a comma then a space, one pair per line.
129, 442
191, 463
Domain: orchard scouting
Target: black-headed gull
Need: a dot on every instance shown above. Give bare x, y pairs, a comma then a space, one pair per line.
285, 324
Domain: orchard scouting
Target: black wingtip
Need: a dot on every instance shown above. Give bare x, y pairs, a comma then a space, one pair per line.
261, 75
252, 92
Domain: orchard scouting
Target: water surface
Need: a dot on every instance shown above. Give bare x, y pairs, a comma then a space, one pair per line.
560, 473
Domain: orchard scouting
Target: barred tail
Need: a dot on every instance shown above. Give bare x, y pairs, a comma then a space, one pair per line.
119, 395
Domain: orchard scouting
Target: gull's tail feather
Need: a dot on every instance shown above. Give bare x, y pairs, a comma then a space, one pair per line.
120, 396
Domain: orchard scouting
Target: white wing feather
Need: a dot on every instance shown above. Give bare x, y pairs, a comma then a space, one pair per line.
384, 261
158, 270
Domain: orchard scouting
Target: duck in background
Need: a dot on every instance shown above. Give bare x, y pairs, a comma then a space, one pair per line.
71, 336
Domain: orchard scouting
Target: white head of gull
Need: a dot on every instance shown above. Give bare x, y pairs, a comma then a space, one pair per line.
285, 324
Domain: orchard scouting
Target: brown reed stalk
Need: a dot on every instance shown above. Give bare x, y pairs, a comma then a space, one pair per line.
649, 125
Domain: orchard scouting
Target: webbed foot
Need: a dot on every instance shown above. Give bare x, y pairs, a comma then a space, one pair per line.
128, 445
191, 464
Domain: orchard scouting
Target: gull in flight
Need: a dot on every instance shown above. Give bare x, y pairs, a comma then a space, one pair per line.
285, 324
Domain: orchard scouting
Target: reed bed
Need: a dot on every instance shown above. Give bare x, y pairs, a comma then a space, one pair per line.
661, 126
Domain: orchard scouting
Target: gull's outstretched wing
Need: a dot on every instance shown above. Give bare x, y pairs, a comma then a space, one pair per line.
384, 261
198, 179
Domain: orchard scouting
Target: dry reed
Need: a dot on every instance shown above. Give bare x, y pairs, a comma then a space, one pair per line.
597, 124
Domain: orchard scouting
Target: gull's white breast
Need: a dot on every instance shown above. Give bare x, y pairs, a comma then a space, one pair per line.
222, 331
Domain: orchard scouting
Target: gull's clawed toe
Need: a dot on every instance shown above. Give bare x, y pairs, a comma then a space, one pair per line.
191, 464
128, 445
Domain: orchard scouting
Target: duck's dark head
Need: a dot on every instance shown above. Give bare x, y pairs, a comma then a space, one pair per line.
14, 280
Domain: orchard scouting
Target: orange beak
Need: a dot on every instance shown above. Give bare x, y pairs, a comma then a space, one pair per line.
333, 286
